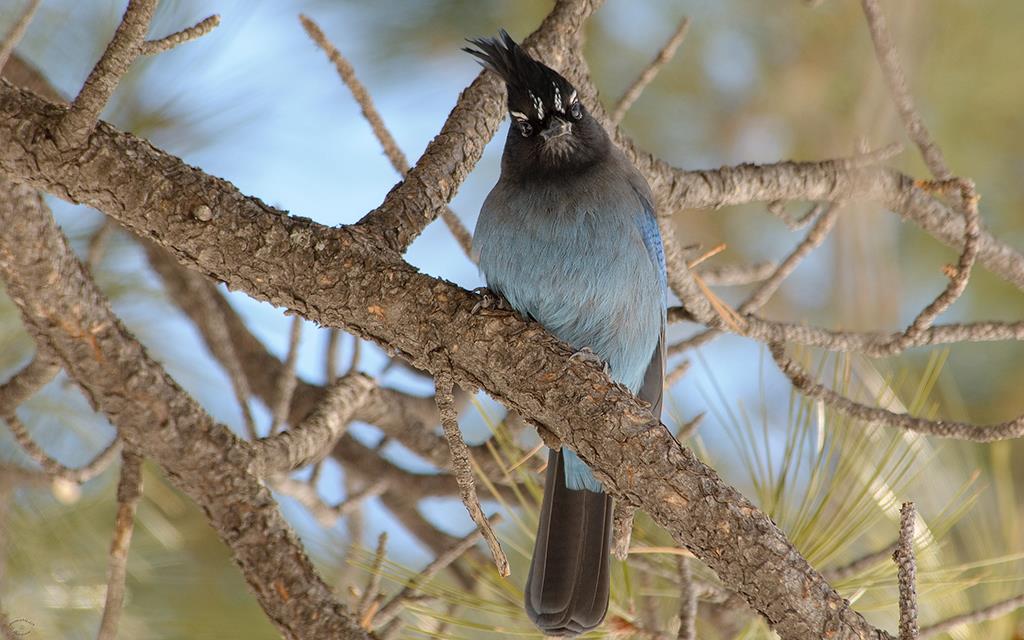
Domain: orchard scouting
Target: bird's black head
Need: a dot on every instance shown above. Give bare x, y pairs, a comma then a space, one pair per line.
551, 130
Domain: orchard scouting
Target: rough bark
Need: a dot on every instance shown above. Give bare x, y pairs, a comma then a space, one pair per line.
341, 277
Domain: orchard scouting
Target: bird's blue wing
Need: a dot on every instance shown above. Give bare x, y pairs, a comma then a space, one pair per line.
652, 389
648, 225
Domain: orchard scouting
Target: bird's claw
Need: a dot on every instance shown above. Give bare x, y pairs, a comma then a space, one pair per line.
586, 354
489, 300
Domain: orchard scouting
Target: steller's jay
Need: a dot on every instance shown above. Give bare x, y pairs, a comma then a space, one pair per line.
568, 237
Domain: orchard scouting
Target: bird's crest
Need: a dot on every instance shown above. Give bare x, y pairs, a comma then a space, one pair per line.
535, 90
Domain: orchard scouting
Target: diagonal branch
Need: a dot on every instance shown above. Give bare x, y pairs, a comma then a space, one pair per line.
67, 315
339, 277
453, 153
129, 491
313, 438
892, 70
668, 50
122, 51
16, 32
868, 415
198, 30
387, 141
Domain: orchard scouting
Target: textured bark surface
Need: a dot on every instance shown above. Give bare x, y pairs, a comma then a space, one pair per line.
344, 278
65, 313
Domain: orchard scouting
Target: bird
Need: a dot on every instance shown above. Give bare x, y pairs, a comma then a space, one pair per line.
568, 237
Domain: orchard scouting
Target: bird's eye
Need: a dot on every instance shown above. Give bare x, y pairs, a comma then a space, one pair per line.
525, 128
575, 110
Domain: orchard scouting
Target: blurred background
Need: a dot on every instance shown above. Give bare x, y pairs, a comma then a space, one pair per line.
256, 103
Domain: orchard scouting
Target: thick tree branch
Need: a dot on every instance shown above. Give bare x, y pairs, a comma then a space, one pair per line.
70, 318
338, 277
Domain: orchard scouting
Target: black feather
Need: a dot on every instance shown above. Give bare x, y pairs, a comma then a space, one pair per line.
527, 79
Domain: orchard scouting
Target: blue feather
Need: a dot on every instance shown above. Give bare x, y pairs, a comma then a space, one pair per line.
583, 258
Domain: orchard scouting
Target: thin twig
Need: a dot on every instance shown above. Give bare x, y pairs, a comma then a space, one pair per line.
98, 243
985, 614
223, 348
868, 415
126, 45
313, 438
903, 556
286, 385
373, 584
650, 71
889, 61
760, 296
859, 565
331, 355
622, 528
380, 130
736, 274
690, 427
443, 559
16, 32
25, 383
54, 468
129, 490
306, 494
463, 470
198, 30
687, 602
675, 375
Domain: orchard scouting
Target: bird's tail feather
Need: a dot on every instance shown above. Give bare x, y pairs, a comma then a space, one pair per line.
567, 589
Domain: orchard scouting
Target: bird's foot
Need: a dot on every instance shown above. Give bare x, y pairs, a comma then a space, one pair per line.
489, 301
586, 354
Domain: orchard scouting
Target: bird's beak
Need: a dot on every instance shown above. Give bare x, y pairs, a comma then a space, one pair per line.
556, 129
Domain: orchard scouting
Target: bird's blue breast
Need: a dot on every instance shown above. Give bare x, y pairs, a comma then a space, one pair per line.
573, 256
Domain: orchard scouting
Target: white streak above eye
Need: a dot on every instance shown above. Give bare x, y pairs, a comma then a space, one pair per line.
520, 116
538, 106
572, 98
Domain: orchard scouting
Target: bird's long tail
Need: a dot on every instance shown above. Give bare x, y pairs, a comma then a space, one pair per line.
567, 589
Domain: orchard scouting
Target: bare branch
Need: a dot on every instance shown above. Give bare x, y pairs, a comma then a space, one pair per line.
331, 355
16, 32
327, 515
622, 528
98, 243
990, 612
314, 437
76, 125
198, 30
687, 602
875, 415
768, 287
860, 565
463, 470
54, 468
393, 606
24, 384
736, 274
156, 418
889, 61
391, 148
903, 556
650, 71
288, 380
129, 491
372, 591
